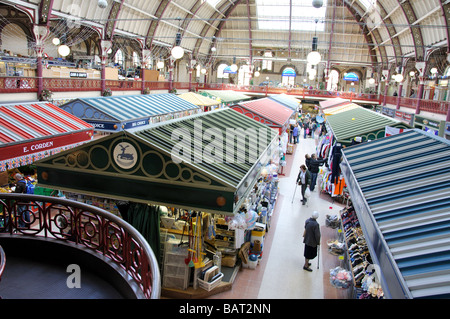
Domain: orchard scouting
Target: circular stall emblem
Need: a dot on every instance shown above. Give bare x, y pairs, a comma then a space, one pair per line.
125, 155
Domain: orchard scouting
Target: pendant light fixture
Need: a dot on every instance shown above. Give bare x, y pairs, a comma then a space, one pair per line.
177, 51
314, 57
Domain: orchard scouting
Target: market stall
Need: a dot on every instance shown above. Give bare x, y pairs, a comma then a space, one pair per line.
32, 131
432, 126
345, 129
206, 103
227, 97
287, 100
367, 124
115, 113
268, 112
405, 227
339, 108
213, 203
332, 103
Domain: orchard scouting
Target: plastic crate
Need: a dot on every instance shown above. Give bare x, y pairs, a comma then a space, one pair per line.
208, 286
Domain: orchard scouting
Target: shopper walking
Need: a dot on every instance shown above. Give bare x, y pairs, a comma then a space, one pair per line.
23, 215
295, 133
311, 239
304, 179
305, 128
307, 161
314, 164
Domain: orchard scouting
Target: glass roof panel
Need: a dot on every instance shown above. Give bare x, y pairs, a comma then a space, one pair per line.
368, 3
274, 15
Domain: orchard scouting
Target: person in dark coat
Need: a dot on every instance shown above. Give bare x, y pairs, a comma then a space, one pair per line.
314, 164
307, 161
304, 179
23, 214
311, 239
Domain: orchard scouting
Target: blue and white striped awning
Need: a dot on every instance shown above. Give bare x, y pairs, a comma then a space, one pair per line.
114, 113
401, 187
286, 100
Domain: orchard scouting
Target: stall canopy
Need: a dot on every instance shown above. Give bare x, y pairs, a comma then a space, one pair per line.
400, 188
222, 153
332, 103
266, 111
199, 100
340, 108
226, 96
115, 113
367, 124
286, 100
31, 131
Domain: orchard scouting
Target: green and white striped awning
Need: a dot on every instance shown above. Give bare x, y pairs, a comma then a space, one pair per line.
226, 96
362, 122
252, 138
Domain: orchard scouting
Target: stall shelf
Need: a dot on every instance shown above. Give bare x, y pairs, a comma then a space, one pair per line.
116, 113
367, 124
268, 112
400, 190
31, 131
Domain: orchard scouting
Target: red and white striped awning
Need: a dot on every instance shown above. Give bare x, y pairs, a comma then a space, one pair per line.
29, 132
266, 111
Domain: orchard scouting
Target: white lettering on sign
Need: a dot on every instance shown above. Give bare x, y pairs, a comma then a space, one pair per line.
37, 147
98, 125
138, 123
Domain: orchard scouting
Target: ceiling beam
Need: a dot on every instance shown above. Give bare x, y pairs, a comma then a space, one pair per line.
110, 25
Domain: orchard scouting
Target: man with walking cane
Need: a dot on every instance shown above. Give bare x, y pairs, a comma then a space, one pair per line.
311, 239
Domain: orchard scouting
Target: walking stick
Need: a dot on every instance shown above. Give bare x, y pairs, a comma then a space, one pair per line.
318, 256
294, 192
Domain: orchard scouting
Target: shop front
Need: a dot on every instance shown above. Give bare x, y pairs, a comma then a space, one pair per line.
196, 209
434, 127
32, 131
405, 227
344, 129
116, 113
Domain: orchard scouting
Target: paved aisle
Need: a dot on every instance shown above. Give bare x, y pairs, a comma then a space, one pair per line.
280, 274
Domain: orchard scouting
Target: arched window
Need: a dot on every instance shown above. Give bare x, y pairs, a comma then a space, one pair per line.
333, 80
220, 71
288, 76
136, 59
267, 64
118, 58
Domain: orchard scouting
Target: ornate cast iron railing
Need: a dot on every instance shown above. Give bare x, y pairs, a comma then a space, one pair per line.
84, 226
2, 262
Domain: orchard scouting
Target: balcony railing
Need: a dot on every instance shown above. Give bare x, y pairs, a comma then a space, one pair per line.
27, 84
86, 227
2, 262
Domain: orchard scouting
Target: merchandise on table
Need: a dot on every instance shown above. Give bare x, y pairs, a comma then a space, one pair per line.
340, 278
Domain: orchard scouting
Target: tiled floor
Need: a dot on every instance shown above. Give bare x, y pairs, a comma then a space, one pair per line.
280, 273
